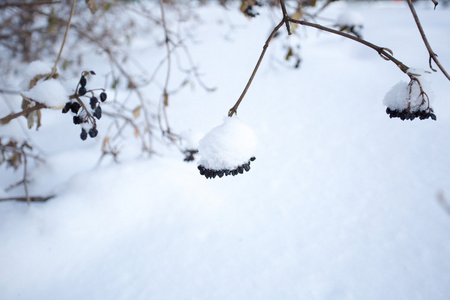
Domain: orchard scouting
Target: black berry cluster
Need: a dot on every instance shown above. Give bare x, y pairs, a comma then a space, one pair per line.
211, 173
407, 114
84, 115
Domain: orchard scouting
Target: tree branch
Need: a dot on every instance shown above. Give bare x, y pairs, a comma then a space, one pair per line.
5, 5
28, 199
433, 55
233, 110
24, 112
383, 52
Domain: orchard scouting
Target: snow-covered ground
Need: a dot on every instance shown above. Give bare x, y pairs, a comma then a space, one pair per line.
341, 202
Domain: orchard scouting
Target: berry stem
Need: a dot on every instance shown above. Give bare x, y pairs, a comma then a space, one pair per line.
88, 114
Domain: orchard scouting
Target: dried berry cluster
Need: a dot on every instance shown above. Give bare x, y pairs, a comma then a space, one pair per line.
82, 115
190, 155
211, 173
406, 114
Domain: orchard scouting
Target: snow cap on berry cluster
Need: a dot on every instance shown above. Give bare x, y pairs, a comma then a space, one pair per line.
48, 92
227, 146
403, 93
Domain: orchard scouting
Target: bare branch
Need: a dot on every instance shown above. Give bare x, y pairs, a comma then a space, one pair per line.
285, 17
233, 110
433, 55
383, 52
24, 112
28, 199
5, 5
64, 40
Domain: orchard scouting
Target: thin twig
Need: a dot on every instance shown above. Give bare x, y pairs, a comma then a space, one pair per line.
25, 181
285, 17
433, 55
28, 199
24, 112
5, 5
383, 52
233, 110
54, 69
165, 96
9, 92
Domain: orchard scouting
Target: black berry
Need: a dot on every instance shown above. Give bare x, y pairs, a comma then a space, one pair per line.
98, 112
75, 107
67, 107
93, 102
83, 81
83, 134
103, 96
82, 91
93, 132
77, 120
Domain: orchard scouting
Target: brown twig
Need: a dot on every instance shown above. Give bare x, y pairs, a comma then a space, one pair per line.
24, 112
54, 69
5, 5
164, 102
28, 199
382, 51
285, 17
233, 110
385, 53
433, 55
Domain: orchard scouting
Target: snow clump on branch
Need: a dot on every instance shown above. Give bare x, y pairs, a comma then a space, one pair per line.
50, 92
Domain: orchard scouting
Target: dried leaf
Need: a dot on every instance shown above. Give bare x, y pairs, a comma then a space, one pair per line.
289, 54
30, 120
38, 118
136, 132
137, 112
105, 144
92, 5
166, 99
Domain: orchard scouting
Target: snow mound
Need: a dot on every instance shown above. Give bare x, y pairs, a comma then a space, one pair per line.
33, 69
227, 146
48, 92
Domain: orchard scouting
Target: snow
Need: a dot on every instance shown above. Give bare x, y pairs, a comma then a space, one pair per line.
350, 18
341, 203
405, 94
48, 92
227, 146
33, 69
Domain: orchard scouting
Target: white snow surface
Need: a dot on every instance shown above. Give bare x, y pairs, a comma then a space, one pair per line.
227, 146
49, 92
342, 202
